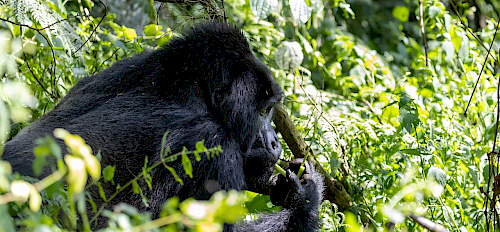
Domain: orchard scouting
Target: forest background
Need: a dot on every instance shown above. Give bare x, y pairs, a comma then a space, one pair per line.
397, 101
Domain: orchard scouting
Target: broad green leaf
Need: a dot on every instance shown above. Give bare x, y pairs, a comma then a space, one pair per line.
434, 11
426, 93
152, 30
39, 162
390, 112
474, 174
300, 10
455, 37
463, 52
129, 33
334, 165
402, 13
262, 8
289, 56
449, 49
109, 173
351, 222
438, 175
404, 101
409, 121
6, 222
200, 148
486, 172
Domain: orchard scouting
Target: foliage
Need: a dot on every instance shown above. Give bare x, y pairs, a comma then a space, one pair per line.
382, 108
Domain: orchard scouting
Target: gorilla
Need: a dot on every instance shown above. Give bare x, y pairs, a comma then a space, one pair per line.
206, 85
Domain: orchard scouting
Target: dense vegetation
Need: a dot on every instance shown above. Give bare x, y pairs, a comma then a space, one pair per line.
397, 100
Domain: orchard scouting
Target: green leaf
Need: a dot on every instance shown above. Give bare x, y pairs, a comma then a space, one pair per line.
486, 172
438, 175
259, 204
410, 120
135, 187
449, 49
390, 112
175, 175
129, 33
262, 8
334, 165
474, 174
6, 222
455, 38
200, 148
434, 11
109, 173
38, 164
163, 139
300, 10
152, 30
404, 101
289, 57
352, 221
426, 93
101, 191
411, 151
186, 163
402, 13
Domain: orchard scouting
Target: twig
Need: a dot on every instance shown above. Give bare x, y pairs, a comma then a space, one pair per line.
428, 224
95, 28
37, 80
482, 67
472, 33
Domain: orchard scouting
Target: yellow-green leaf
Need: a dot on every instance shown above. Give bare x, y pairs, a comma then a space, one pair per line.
152, 30
186, 163
129, 33
175, 175
402, 13
35, 200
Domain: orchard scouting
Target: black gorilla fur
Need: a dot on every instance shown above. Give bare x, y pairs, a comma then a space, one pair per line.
205, 85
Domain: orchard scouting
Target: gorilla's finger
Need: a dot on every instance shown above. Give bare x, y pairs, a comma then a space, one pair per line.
294, 180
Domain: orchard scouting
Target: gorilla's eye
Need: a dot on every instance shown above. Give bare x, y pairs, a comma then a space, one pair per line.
266, 111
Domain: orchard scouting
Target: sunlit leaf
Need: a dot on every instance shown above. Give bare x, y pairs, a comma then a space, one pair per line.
402, 13
438, 175
262, 8
300, 10
289, 56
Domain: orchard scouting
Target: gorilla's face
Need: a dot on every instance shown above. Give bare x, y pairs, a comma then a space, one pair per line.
246, 104
240, 94
250, 106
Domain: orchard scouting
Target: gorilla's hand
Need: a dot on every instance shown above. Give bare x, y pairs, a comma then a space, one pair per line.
298, 195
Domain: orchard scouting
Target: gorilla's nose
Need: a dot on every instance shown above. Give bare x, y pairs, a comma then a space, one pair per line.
273, 145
